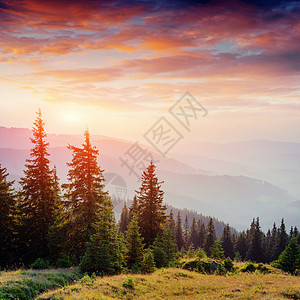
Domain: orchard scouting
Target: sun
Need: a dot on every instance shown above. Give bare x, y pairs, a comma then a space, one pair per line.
71, 116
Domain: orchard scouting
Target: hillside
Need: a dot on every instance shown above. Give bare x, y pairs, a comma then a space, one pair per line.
181, 284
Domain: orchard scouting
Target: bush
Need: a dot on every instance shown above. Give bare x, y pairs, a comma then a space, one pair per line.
249, 267
40, 264
263, 269
200, 253
129, 283
200, 268
64, 262
228, 264
220, 270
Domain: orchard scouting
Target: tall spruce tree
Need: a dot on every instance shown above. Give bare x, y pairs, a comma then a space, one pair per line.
133, 209
85, 195
171, 222
8, 220
186, 233
241, 245
201, 232
193, 234
289, 259
227, 242
134, 246
255, 249
210, 236
281, 240
124, 219
178, 232
39, 199
150, 210
103, 254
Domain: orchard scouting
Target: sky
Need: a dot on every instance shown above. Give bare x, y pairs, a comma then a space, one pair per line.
117, 67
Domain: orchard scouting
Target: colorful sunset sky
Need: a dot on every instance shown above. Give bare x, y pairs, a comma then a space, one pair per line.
117, 66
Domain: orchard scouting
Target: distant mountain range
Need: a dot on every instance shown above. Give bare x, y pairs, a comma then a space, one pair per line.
233, 182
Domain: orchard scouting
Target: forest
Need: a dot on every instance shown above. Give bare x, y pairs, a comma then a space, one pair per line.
46, 224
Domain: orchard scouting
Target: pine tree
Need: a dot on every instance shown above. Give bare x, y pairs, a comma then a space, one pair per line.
103, 254
289, 259
171, 223
201, 232
227, 243
148, 265
241, 245
216, 250
210, 236
255, 250
186, 234
124, 219
150, 211
178, 232
133, 210
39, 200
164, 248
134, 246
193, 236
85, 195
281, 240
8, 220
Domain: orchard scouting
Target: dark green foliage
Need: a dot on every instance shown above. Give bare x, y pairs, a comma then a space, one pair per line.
39, 198
201, 233
150, 210
40, 264
241, 245
263, 269
237, 257
103, 254
193, 234
178, 232
186, 236
164, 248
227, 242
133, 210
216, 250
200, 268
84, 195
129, 283
220, 270
8, 220
249, 267
228, 264
289, 259
210, 236
255, 250
281, 241
64, 262
124, 219
171, 223
148, 265
134, 246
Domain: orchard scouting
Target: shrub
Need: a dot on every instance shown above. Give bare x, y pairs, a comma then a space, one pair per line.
200, 268
40, 264
249, 267
263, 269
64, 262
228, 264
129, 283
200, 253
220, 270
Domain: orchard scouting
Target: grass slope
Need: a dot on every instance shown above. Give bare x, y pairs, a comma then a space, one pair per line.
27, 284
179, 284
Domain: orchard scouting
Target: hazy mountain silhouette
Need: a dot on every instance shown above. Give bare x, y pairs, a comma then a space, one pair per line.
214, 179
